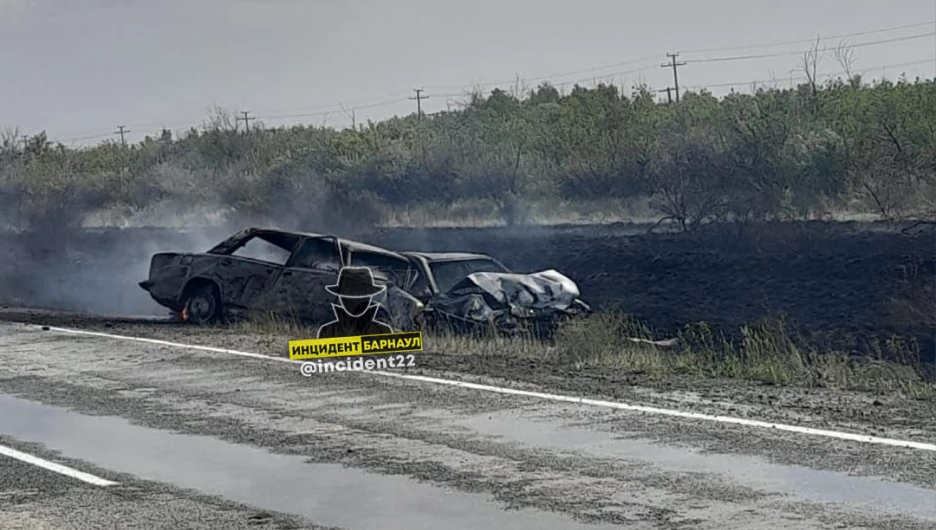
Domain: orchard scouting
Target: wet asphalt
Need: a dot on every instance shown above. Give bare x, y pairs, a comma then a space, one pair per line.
200, 439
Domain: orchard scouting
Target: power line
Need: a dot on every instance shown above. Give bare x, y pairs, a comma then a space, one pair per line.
803, 77
263, 117
566, 83
810, 41
784, 54
700, 50
610, 74
716, 59
275, 114
60, 139
910, 63
598, 68
323, 113
553, 76
582, 80
558, 85
326, 108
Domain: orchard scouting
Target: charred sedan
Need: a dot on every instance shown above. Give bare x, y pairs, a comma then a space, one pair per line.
276, 272
468, 291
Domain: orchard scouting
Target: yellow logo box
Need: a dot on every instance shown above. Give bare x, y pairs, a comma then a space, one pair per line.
361, 345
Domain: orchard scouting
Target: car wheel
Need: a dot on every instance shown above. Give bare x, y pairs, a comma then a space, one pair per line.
203, 306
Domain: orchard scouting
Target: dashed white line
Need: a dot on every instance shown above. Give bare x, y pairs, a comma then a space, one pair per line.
546, 396
55, 468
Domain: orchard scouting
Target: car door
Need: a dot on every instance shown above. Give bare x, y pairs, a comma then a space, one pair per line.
247, 281
300, 289
249, 272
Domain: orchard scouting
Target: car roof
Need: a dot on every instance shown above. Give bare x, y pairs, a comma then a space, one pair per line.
346, 243
354, 246
257, 230
448, 256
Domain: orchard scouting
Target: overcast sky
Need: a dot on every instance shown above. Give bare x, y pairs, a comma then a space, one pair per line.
79, 68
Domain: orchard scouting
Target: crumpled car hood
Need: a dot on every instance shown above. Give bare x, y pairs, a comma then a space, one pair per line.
548, 289
509, 301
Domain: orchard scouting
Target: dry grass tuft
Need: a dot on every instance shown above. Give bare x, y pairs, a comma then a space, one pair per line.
768, 352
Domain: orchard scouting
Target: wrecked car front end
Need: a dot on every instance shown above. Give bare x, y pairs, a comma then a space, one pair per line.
511, 303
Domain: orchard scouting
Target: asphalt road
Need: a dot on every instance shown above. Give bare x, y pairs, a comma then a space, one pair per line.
209, 439
33, 498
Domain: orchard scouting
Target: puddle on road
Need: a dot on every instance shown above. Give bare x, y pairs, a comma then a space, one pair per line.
801, 482
329, 494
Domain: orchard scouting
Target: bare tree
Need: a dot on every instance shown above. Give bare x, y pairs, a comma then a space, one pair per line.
519, 87
811, 59
884, 166
469, 97
774, 83
220, 119
9, 138
350, 115
845, 56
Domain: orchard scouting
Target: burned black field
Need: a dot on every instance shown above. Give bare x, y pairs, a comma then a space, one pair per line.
834, 281
838, 280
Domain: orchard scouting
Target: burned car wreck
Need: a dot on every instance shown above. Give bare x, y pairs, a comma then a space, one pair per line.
263, 271
471, 292
266, 271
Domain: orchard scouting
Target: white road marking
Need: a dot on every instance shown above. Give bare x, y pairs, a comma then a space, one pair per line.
551, 397
55, 468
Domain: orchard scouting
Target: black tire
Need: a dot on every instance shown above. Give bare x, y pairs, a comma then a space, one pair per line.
203, 305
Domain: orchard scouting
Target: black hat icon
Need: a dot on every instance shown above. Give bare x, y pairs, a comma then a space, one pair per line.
355, 282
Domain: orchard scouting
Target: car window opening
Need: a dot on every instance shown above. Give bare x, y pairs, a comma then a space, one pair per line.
399, 272
448, 273
271, 248
319, 253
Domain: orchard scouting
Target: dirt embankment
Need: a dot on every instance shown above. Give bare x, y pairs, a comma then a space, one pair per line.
837, 278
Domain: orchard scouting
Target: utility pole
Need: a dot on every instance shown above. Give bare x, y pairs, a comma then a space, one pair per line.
25, 138
669, 94
673, 64
246, 119
121, 130
419, 97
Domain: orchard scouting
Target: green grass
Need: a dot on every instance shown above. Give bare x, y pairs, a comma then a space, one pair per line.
768, 352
